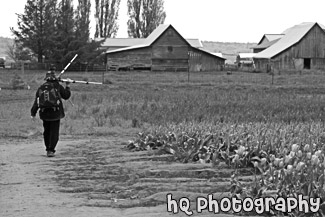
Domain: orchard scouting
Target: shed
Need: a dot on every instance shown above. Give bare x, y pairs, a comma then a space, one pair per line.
164, 50
301, 47
245, 59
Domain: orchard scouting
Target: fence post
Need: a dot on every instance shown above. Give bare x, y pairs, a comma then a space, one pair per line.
103, 74
22, 68
272, 74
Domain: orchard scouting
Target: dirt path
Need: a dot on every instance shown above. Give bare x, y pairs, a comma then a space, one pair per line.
33, 185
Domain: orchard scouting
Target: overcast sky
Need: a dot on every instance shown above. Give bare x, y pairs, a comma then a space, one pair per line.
211, 20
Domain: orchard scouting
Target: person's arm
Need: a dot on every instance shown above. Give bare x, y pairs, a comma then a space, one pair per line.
34, 108
65, 92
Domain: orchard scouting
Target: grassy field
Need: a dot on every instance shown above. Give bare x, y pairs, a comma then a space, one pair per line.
240, 119
145, 99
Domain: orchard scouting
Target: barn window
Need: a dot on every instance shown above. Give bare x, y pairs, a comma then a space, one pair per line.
170, 33
307, 63
170, 49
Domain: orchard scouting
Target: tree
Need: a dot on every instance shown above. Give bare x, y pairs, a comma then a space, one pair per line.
18, 53
82, 20
35, 26
144, 17
106, 15
65, 43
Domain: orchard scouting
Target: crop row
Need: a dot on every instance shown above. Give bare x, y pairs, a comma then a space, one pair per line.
288, 160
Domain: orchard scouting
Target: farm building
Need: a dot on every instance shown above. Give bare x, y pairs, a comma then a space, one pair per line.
245, 59
163, 50
266, 41
301, 47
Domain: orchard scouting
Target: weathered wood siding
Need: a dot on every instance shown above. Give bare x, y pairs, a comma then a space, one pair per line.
201, 61
170, 52
130, 58
262, 65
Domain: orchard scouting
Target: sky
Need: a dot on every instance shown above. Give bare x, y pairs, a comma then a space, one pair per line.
210, 20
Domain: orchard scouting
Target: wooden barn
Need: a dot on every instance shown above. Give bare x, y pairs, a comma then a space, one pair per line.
301, 47
164, 50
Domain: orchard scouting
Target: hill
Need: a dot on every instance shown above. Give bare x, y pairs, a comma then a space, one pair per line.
229, 50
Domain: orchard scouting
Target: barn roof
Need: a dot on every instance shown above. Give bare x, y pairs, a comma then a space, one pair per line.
291, 37
128, 42
219, 55
154, 36
122, 42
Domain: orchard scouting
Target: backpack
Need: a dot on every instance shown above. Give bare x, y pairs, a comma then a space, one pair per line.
48, 96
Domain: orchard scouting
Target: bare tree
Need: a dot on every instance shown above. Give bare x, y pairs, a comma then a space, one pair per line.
106, 15
17, 52
144, 17
82, 18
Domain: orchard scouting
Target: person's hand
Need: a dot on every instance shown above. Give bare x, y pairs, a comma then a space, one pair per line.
68, 81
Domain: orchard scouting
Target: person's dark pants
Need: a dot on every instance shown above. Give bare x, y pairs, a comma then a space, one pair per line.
51, 134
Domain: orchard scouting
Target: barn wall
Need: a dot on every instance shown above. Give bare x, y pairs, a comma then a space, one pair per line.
201, 61
170, 52
130, 58
195, 61
262, 65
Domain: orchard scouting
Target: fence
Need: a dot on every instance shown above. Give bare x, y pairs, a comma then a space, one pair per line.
46, 66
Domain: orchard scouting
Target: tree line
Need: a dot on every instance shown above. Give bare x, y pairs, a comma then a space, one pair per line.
55, 30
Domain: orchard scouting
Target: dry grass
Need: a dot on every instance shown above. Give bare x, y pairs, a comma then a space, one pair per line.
145, 99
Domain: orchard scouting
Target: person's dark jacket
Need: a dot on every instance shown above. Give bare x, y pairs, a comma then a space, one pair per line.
52, 114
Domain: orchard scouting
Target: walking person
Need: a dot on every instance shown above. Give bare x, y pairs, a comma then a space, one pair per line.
48, 101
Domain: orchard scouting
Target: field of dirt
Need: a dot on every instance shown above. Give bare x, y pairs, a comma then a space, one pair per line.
99, 177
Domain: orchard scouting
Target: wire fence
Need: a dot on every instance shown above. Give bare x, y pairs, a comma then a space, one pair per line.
78, 67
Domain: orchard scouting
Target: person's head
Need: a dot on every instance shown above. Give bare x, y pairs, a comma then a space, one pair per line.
50, 76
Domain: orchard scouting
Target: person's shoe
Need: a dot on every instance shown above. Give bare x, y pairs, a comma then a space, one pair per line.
50, 154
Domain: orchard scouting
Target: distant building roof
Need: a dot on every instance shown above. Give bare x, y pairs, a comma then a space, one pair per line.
292, 36
266, 44
218, 54
211, 53
269, 37
272, 37
194, 42
246, 55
